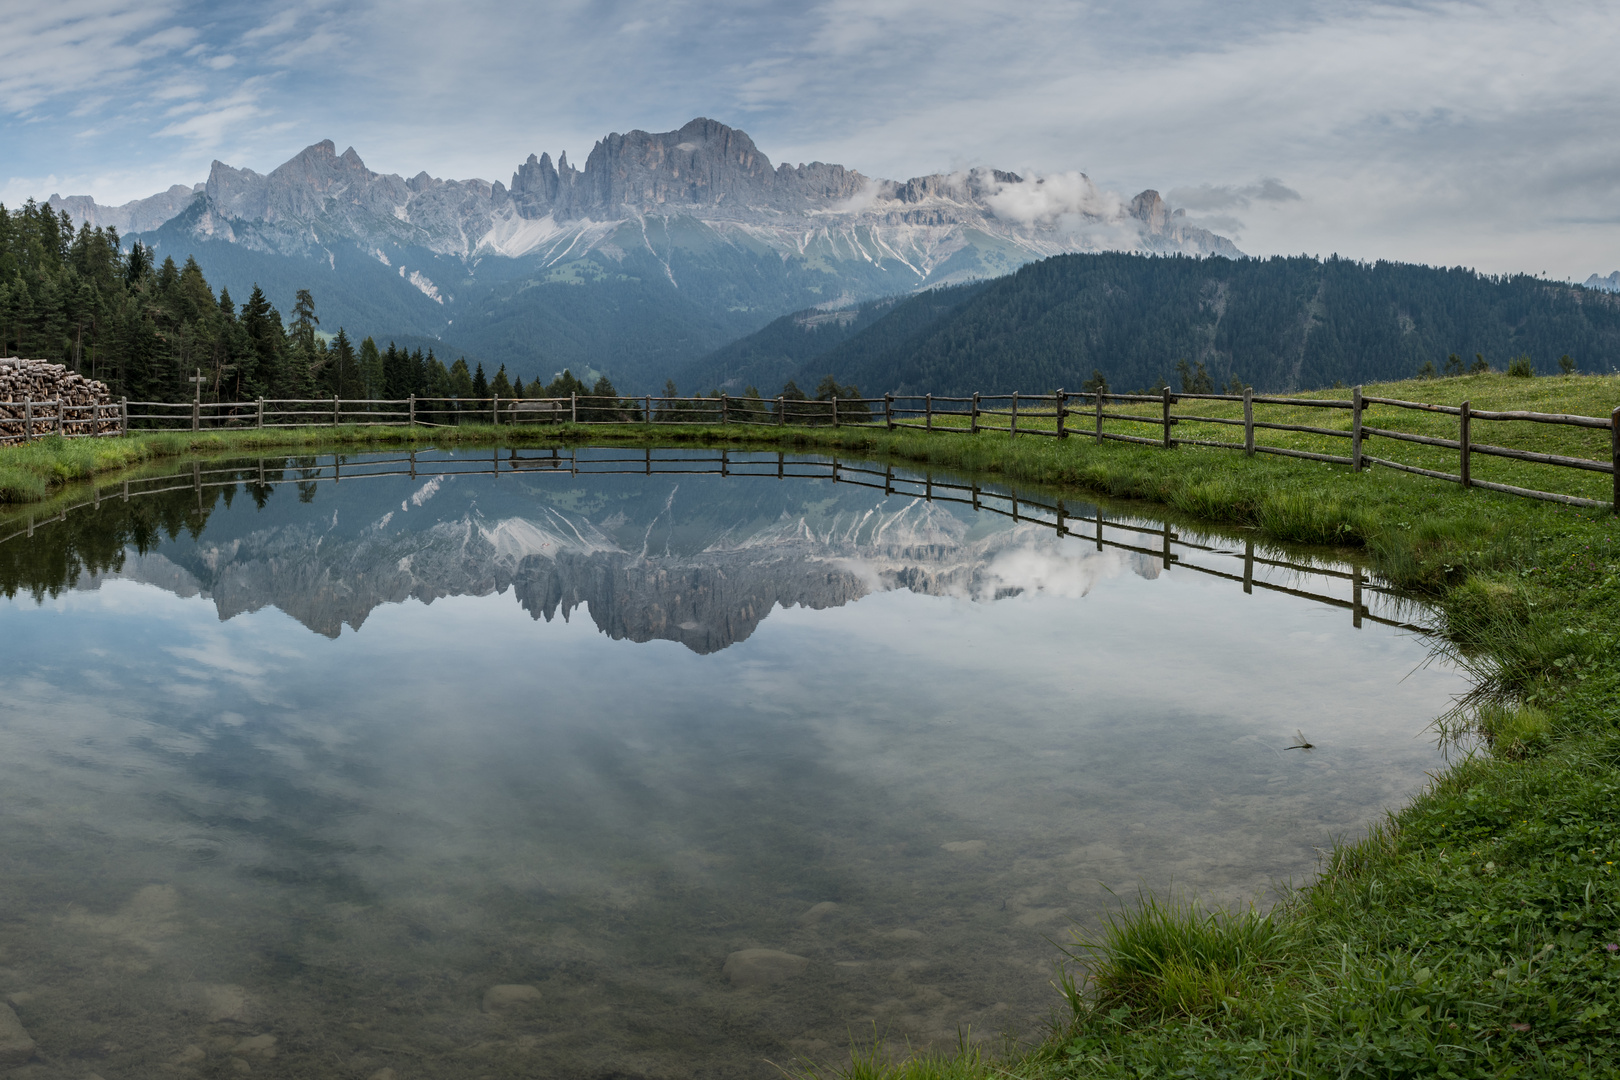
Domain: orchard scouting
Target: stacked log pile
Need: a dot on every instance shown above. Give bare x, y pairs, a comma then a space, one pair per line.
59, 398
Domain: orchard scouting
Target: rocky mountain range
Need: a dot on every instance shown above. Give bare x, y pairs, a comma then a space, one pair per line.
1607, 284
663, 247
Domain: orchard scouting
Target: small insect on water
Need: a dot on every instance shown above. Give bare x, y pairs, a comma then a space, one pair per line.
1301, 742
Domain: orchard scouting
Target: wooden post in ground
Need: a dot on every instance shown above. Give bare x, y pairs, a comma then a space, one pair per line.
725, 411
1248, 419
335, 410
888, 410
1614, 454
1013, 427
1464, 423
1167, 418
928, 412
1355, 429
61, 414
1060, 397
835, 424
973, 422
781, 413
1099, 416
411, 404
649, 409
123, 416
258, 406
28, 418
495, 411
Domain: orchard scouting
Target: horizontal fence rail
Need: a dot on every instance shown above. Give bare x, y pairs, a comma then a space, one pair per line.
1160, 542
1057, 415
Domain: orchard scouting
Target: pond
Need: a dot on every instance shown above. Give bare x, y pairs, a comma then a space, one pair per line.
667, 763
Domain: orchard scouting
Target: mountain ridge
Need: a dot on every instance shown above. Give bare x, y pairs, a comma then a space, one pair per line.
663, 247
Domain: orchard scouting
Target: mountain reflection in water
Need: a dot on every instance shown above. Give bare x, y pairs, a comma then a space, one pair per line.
684, 558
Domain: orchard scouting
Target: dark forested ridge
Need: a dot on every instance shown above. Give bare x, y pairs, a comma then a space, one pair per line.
1276, 324
783, 348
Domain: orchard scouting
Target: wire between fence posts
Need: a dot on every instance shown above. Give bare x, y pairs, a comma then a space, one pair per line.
1463, 419
1355, 428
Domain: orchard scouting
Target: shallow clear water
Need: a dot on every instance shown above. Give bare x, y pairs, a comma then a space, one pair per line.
329, 768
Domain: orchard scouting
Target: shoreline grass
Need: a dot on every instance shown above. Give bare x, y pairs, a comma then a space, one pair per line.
1474, 932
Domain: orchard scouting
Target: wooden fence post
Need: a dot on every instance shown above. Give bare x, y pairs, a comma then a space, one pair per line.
123, 416
573, 406
28, 418
1614, 454
1355, 429
1463, 433
1167, 418
1060, 397
1248, 419
649, 409
334, 410
928, 412
259, 411
888, 410
1355, 597
725, 416
411, 406
1013, 427
781, 414
1099, 416
495, 413
973, 422
196, 413
835, 424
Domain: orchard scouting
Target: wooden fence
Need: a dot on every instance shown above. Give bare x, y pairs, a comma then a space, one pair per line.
1059, 415
1092, 524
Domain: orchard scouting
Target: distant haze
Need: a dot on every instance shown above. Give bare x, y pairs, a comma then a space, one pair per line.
1476, 133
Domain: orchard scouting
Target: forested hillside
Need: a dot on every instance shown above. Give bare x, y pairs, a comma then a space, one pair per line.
145, 329
782, 349
1275, 324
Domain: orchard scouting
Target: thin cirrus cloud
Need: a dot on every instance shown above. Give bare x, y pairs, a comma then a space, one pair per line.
1459, 131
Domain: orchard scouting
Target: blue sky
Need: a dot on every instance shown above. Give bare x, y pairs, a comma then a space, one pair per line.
1483, 133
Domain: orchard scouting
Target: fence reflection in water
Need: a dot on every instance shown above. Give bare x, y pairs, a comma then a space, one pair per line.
1248, 565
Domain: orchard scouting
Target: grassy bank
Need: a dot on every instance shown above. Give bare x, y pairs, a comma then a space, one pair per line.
1476, 932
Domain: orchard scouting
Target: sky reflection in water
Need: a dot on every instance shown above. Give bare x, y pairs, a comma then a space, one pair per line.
219, 828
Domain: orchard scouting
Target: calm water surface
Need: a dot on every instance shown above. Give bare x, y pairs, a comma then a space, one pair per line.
293, 774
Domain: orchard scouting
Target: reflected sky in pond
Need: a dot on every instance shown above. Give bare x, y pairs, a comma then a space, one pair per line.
330, 768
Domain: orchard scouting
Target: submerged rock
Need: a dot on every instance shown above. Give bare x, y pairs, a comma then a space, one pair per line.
509, 996
818, 912
762, 967
15, 1045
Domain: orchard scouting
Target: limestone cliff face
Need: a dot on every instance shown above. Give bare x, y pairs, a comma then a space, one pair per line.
705, 170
